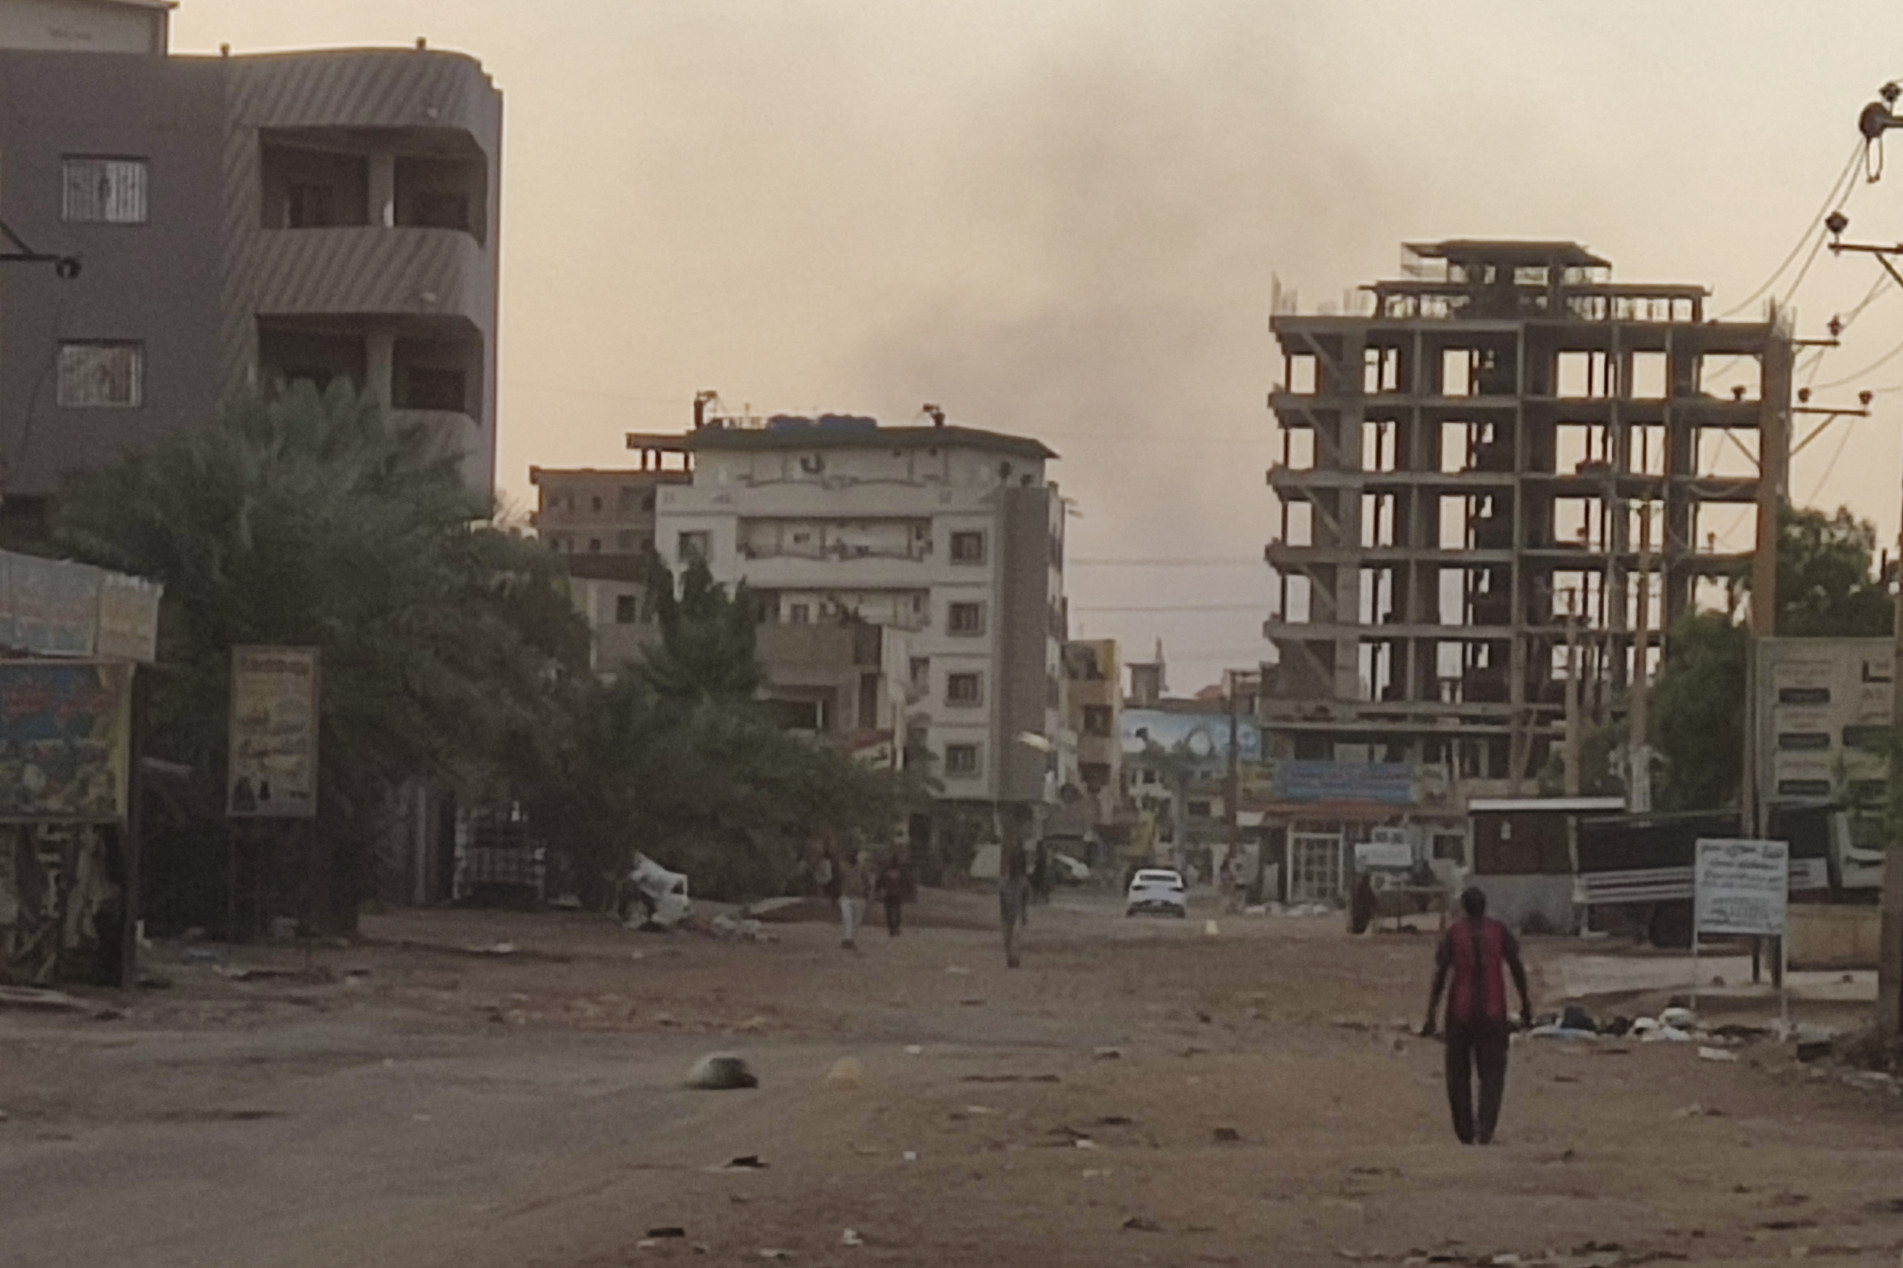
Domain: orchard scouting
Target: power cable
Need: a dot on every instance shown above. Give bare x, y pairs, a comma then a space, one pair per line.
1834, 200
1842, 442
1880, 362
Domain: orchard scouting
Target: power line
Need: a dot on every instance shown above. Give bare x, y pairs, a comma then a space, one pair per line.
1839, 194
1263, 606
1879, 363
1196, 561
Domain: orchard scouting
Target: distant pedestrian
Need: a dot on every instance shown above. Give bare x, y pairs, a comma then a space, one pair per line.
1014, 881
854, 881
893, 888
1474, 952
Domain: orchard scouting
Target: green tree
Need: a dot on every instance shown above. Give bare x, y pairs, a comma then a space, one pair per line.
311, 520
1826, 578
1697, 713
709, 636
1826, 587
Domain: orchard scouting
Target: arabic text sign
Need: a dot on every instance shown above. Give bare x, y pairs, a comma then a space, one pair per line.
1379, 783
273, 770
1742, 887
65, 736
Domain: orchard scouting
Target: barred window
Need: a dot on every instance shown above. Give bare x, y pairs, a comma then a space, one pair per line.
103, 191
102, 375
961, 759
964, 689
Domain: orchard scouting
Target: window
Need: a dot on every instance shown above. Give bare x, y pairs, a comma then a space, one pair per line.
107, 191
108, 375
439, 209
1098, 719
868, 702
558, 542
594, 504
696, 545
964, 689
921, 673
799, 614
428, 387
626, 609
310, 206
627, 542
967, 618
961, 759
968, 548
594, 545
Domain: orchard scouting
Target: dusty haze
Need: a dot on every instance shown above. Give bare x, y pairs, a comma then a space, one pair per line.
1062, 219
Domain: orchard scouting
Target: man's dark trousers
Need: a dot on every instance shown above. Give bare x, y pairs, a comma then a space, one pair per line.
1476, 1045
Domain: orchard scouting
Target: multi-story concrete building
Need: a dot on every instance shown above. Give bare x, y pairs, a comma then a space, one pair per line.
949, 536
609, 515
238, 220
1093, 701
1467, 472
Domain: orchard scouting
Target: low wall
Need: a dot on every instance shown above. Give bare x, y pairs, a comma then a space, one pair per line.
1829, 936
1518, 899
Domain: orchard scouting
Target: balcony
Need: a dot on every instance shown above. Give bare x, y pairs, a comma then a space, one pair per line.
367, 269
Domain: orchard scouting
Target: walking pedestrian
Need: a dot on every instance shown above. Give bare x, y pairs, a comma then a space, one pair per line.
893, 888
1014, 881
853, 880
1471, 958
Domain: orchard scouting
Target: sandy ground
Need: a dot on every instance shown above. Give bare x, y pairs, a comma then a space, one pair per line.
1138, 1093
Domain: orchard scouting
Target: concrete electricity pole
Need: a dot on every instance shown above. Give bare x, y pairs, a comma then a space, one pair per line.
1638, 796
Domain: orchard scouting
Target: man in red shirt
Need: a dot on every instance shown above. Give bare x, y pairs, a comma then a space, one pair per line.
1472, 954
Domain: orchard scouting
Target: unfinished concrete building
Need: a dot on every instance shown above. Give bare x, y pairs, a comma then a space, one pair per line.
1466, 465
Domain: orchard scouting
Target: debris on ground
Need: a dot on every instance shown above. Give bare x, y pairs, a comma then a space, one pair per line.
1227, 1135
773, 1252
1106, 1054
1142, 1224
851, 1237
846, 1072
782, 911
721, 1072
1695, 1110
914, 1050
745, 1162
1716, 1054
494, 948
671, 1230
734, 929
1011, 1078
33, 999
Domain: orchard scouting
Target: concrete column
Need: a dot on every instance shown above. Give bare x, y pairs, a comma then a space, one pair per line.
380, 366
383, 189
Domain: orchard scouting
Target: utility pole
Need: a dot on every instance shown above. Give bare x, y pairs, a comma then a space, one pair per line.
1638, 785
1890, 939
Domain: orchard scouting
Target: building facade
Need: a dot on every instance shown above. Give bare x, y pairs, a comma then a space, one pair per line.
947, 537
1480, 476
1093, 701
239, 221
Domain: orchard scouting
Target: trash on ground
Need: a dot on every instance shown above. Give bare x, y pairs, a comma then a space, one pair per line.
745, 1162
1695, 1110
1560, 1032
957, 969
846, 1072
671, 1230
656, 899
738, 930
914, 1050
851, 1238
721, 1072
1679, 1018
774, 1252
1142, 1224
494, 948
1011, 1078
1716, 1054
910, 1155
1106, 1054
1211, 929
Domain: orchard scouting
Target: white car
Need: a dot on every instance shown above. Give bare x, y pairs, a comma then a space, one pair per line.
1157, 889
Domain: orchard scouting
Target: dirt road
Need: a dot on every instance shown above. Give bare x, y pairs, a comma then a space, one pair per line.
1138, 1093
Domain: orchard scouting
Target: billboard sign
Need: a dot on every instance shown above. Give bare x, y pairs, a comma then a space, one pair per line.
65, 741
1198, 739
273, 762
1742, 887
1368, 783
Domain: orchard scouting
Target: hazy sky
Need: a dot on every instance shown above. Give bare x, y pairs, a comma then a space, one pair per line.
1062, 218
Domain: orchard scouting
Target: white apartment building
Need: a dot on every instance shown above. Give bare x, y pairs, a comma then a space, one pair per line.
947, 536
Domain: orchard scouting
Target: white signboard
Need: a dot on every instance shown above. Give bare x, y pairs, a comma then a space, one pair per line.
1383, 851
1742, 887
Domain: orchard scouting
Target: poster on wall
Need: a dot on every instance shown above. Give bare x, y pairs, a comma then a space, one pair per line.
65, 741
273, 767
